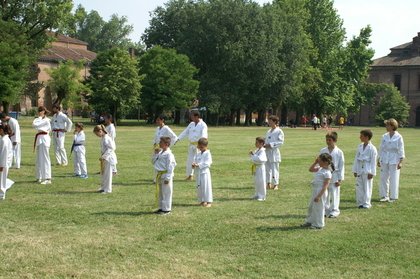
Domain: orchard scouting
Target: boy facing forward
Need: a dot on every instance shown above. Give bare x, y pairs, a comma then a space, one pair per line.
203, 161
333, 199
164, 163
364, 169
259, 158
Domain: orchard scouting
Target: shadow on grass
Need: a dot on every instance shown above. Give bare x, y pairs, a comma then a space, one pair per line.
186, 204
234, 199
286, 216
234, 188
290, 228
124, 213
77, 192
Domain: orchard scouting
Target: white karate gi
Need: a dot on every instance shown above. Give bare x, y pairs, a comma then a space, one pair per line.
110, 129
316, 210
109, 159
60, 124
164, 164
274, 138
259, 158
42, 143
194, 133
79, 153
164, 131
364, 164
390, 154
332, 204
6, 155
203, 179
16, 141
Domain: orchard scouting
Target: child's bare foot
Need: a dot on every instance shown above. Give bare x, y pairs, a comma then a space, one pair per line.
208, 204
203, 203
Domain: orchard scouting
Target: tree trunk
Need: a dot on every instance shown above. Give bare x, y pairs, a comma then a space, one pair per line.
115, 114
261, 117
283, 116
5, 106
238, 117
177, 117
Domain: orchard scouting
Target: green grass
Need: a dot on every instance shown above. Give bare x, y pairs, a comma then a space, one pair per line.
65, 230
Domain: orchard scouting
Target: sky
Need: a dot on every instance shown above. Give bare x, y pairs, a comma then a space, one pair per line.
393, 22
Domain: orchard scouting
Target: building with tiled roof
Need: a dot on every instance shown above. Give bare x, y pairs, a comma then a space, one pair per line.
63, 48
401, 67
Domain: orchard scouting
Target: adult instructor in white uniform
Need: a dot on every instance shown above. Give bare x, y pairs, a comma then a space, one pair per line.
60, 124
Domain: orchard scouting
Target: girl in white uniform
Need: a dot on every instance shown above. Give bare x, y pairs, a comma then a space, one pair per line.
202, 162
391, 156
364, 169
274, 139
107, 159
321, 167
259, 158
42, 145
112, 133
6, 157
78, 147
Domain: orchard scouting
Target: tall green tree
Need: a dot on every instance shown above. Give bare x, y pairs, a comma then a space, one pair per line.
101, 35
14, 62
66, 82
115, 82
23, 35
392, 105
168, 82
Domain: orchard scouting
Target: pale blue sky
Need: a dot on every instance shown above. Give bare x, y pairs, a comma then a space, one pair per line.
393, 22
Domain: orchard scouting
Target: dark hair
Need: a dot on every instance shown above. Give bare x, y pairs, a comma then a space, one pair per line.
57, 106
325, 157
42, 108
79, 125
195, 113
332, 135
203, 142
3, 114
367, 133
260, 140
6, 129
161, 117
274, 118
166, 140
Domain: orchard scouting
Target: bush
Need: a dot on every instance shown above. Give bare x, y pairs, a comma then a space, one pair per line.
392, 105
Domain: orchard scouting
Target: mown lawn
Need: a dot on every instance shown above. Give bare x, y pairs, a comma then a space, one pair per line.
66, 230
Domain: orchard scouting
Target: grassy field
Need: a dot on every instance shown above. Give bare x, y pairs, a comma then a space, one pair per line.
66, 230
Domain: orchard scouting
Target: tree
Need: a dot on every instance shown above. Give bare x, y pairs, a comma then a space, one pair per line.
14, 62
22, 31
66, 82
168, 82
99, 34
115, 82
392, 105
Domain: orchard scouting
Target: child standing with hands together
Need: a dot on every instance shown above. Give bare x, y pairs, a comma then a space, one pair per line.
164, 163
108, 158
78, 147
322, 177
364, 169
259, 158
202, 162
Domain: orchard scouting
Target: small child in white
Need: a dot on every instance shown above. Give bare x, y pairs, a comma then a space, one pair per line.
259, 158
164, 163
78, 147
6, 157
108, 158
202, 162
364, 169
332, 204
316, 211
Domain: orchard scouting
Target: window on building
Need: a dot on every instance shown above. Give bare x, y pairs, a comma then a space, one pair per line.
397, 81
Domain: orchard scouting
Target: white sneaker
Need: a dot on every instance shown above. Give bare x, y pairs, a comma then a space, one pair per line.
45, 182
384, 199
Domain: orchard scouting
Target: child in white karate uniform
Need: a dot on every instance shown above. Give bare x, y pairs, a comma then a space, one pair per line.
107, 159
364, 169
78, 147
6, 157
202, 163
259, 158
164, 163
332, 204
274, 139
321, 167
112, 133
42, 145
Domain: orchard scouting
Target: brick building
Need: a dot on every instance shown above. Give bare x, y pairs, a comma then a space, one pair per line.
401, 67
63, 48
